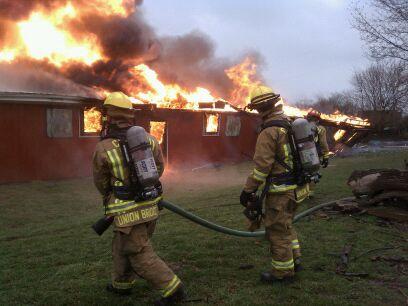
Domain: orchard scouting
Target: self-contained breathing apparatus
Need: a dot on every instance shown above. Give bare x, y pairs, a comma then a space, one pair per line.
306, 162
143, 174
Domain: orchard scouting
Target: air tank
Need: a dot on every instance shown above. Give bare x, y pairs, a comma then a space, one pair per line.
303, 134
142, 156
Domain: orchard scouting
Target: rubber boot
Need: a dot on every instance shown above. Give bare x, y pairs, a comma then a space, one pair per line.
268, 277
117, 291
178, 296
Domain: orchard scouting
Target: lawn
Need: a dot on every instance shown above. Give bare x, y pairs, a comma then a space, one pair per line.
50, 255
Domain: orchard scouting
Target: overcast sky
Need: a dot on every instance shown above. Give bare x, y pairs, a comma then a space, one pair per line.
308, 45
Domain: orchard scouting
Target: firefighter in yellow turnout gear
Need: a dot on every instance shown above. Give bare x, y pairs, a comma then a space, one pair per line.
272, 151
134, 220
320, 139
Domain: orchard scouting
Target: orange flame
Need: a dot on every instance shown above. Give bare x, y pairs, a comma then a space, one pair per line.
166, 95
212, 123
92, 120
339, 134
244, 77
44, 36
157, 129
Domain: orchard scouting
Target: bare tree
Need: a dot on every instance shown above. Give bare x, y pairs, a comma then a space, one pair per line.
337, 101
381, 87
383, 25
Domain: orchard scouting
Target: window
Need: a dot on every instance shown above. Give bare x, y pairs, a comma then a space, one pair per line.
211, 124
91, 121
233, 126
59, 123
158, 129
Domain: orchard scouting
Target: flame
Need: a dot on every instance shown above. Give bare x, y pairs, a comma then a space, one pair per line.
92, 120
339, 134
45, 36
7, 56
211, 123
166, 95
157, 129
244, 77
351, 120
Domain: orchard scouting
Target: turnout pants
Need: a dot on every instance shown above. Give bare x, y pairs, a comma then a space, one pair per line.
133, 256
280, 209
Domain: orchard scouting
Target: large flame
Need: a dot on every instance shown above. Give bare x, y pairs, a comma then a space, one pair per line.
166, 95
45, 35
244, 76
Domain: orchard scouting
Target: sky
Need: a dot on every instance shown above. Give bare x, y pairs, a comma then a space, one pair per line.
308, 46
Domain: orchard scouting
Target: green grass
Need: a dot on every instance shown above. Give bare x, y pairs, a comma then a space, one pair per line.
49, 254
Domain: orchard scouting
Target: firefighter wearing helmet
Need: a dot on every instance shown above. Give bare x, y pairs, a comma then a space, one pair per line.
320, 136
273, 159
132, 199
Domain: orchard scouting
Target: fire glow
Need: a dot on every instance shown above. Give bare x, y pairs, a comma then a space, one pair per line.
339, 134
212, 123
92, 120
47, 35
158, 129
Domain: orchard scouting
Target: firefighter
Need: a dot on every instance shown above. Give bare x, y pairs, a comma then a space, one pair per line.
132, 251
272, 153
313, 117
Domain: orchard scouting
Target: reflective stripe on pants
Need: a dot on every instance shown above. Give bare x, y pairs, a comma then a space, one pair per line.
171, 287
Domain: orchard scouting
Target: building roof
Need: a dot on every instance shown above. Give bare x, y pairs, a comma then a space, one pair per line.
41, 98
57, 99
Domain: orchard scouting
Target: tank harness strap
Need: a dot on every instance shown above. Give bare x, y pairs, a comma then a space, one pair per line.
287, 126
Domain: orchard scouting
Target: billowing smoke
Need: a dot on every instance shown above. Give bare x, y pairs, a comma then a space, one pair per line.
189, 60
124, 40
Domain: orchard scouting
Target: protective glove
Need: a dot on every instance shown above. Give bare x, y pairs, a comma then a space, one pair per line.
325, 162
245, 197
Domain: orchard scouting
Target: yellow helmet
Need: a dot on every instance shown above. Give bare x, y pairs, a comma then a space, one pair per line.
118, 99
263, 98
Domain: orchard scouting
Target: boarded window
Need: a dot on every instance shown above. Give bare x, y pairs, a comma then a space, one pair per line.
59, 122
233, 127
211, 124
91, 121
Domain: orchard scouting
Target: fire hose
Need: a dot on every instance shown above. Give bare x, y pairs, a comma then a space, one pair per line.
104, 223
229, 231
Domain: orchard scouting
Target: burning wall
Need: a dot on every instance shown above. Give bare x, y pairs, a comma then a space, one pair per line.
95, 47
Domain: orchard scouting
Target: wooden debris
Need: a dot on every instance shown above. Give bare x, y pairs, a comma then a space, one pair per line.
394, 259
389, 213
348, 207
373, 182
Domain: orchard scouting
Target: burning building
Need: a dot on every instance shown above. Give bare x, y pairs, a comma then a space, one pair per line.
89, 48
53, 136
